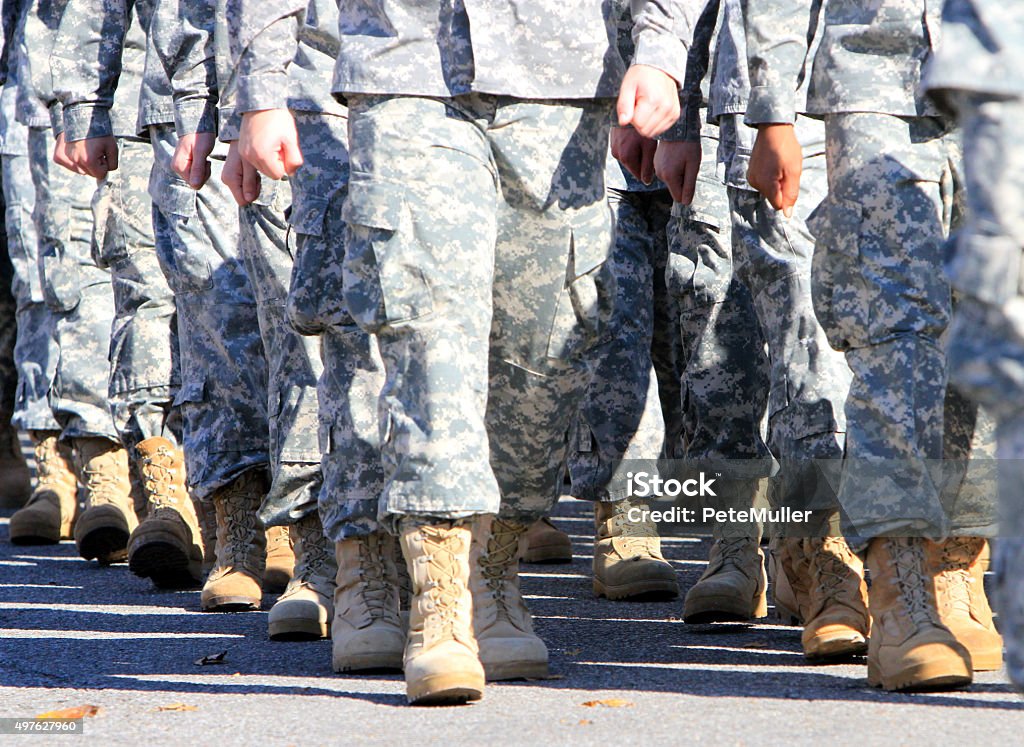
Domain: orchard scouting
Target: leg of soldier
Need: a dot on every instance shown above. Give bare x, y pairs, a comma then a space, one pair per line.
223, 369
725, 377
360, 569
167, 545
881, 299
51, 510
809, 385
620, 419
305, 609
78, 291
986, 351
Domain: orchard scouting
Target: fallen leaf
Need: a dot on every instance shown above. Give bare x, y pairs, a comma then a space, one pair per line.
177, 707
584, 722
574, 652
72, 713
212, 659
609, 703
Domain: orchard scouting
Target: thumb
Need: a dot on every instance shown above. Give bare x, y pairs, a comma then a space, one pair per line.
198, 173
112, 157
250, 182
790, 189
627, 101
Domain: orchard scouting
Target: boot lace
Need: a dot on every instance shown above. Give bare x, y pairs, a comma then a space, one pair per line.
831, 567
731, 551
908, 566
637, 537
499, 560
240, 529
957, 555
160, 481
374, 589
442, 548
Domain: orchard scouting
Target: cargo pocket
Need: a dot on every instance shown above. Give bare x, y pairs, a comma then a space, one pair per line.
838, 289
582, 317
62, 289
316, 292
187, 250
384, 282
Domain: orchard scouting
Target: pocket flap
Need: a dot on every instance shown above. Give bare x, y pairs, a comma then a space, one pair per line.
374, 203
191, 391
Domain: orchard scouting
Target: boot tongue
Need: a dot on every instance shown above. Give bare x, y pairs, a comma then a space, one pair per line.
371, 573
445, 590
498, 563
908, 559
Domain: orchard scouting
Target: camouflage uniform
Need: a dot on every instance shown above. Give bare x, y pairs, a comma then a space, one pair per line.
482, 336
223, 370
631, 408
294, 361
978, 73
75, 288
809, 380
880, 233
144, 345
35, 350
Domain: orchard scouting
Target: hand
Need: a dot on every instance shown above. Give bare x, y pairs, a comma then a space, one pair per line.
635, 152
677, 164
94, 156
648, 100
240, 176
775, 165
191, 159
269, 141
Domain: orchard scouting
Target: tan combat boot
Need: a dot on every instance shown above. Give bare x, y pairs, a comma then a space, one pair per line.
15, 477
628, 563
837, 619
280, 560
442, 664
509, 649
732, 587
546, 543
367, 632
789, 572
167, 546
304, 611
909, 648
50, 513
108, 517
235, 583
960, 596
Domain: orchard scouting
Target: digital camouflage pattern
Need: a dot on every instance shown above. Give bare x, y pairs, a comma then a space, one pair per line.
515, 50
76, 291
978, 75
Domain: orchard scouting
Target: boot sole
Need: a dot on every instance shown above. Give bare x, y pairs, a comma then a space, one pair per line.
378, 662
106, 544
838, 648
297, 629
165, 563
921, 677
651, 590
33, 537
450, 688
987, 661
231, 604
516, 670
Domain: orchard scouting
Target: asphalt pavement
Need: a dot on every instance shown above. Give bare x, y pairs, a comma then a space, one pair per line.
75, 634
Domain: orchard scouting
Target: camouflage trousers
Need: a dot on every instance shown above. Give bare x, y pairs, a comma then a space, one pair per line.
144, 338
77, 292
634, 386
353, 373
35, 351
882, 300
223, 394
485, 306
809, 381
293, 362
725, 369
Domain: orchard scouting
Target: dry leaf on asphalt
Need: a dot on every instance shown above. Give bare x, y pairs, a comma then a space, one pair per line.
76, 712
212, 659
609, 703
177, 707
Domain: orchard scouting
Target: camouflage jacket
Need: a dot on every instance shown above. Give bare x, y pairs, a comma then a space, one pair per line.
982, 48
107, 78
529, 50
26, 108
869, 60
37, 105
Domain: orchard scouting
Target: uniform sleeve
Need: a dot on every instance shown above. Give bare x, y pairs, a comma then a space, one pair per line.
662, 31
698, 61
86, 64
266, 39
182, 34
777, 49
